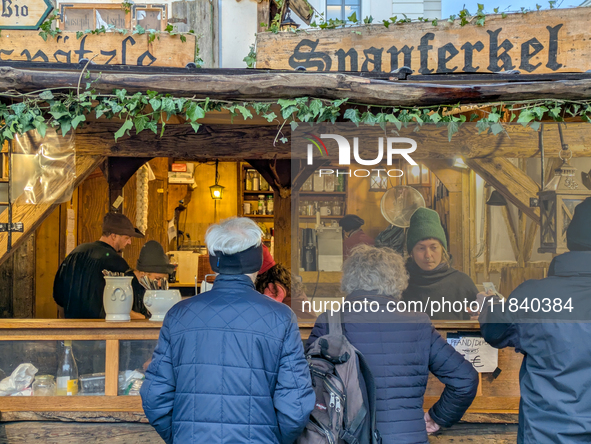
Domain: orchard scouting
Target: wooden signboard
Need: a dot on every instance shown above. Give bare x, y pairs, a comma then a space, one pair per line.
24, 14
109, 48
537, 42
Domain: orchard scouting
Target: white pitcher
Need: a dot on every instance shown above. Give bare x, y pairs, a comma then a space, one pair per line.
159, 302
118, 298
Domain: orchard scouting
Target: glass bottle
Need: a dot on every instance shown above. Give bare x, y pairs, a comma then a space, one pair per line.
261, 206
308, 184
318, 182
44, 385
329, 183
67, 372
256, 182
270, 205
340, 180
264, 184
249, 177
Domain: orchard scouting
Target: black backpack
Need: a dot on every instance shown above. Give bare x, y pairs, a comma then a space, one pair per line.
345, 410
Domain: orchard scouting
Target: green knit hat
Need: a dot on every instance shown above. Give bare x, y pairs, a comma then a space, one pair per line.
424, 224
578, 234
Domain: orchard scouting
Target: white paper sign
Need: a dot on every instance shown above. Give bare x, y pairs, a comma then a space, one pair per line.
171, 230
477, 351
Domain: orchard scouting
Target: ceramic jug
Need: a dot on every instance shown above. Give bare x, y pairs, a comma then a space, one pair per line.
118, 298
159, 302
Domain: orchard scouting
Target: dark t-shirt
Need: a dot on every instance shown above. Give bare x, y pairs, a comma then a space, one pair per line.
79, 283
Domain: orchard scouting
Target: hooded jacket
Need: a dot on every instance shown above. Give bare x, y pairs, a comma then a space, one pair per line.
401, 350
555, 375
229, 367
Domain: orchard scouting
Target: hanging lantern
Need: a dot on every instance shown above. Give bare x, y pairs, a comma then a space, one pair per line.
217, 191
557, 201
288, 23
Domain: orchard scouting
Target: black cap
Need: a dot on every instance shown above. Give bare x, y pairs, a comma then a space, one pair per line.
153, 260
351, 222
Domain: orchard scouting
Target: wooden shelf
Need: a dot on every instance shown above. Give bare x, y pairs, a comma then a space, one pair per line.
257, 192
259, 216
322, 193
322, 217
2, 180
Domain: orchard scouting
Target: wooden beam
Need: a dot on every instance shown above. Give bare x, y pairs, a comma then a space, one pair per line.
118, 172
509, 180
284, 85
263, 15
513, 237
302, 9
32, 215
487, 237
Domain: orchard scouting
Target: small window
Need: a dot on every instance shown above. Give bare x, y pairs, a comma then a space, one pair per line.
342, 9
83, 16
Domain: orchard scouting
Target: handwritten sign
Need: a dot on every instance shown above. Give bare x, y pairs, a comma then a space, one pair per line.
109, 48
537, 42
24, 14
476, 350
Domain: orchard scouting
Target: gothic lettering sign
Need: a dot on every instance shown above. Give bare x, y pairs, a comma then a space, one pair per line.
537, 42
109, 49
23, 14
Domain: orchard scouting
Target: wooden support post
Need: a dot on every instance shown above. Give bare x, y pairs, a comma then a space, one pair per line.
112, 369
263, 15
513, 183
466, 244
472, 222
487, 238
278, 174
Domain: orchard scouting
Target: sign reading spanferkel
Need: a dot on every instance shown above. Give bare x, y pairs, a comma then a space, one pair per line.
23, 14
537, 42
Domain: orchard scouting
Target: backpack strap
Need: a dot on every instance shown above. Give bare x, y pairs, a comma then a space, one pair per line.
371, 395
335, 323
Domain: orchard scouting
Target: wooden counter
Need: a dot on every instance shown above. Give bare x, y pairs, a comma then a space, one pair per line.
496, 397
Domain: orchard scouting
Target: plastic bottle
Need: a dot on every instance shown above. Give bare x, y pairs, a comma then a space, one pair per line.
67, 372
256, 183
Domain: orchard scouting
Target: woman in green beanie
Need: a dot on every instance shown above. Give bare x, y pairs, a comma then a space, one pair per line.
432, 277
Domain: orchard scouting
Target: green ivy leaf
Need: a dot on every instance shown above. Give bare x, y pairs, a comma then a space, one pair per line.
127, 125
270, 116
496, 128
195, 112
46, 95
140, 123
77, 120
183, 38
155, 104
195, 126
120, 94
535, 125
293, 124
353, 115
41, 128
386, 23
246, 114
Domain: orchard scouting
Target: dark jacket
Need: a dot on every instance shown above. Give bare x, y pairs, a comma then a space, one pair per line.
443, 283
555, 376
229, 367
401, 349
79, 283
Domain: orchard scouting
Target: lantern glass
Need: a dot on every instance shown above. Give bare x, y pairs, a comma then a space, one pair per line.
217, 192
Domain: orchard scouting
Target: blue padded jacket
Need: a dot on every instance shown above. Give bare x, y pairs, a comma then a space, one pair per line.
229, 367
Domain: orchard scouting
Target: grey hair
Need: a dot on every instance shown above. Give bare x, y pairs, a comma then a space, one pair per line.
233, 235
371, 268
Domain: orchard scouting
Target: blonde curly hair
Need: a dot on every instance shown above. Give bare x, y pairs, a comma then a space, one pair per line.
371, 268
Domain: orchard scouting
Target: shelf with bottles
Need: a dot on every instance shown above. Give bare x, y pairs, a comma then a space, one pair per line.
255, 196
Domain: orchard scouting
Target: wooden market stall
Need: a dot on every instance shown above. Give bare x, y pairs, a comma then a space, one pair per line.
240, 139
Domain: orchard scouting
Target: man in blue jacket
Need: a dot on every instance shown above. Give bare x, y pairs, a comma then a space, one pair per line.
229, 366
555, 340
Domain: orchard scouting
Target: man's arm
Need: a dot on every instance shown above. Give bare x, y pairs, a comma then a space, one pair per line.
294, 397
497, 326
158, 389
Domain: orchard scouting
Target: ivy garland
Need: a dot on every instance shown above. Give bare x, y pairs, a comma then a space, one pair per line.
150, 110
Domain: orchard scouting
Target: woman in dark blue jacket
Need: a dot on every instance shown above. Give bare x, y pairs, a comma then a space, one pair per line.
401, 349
